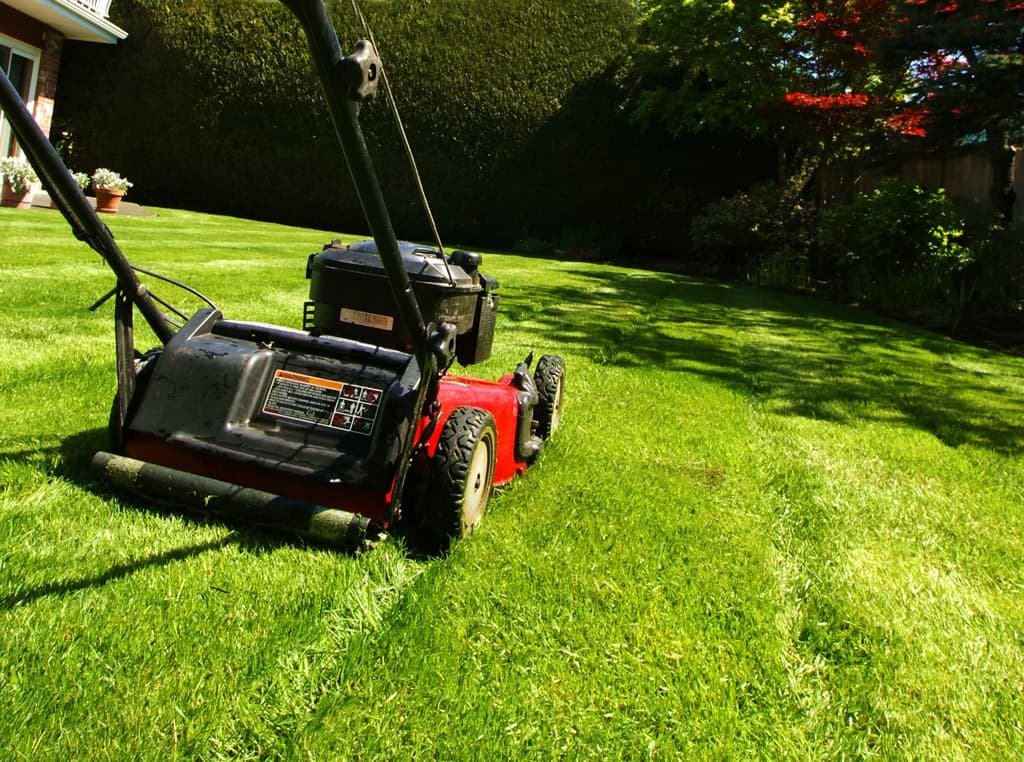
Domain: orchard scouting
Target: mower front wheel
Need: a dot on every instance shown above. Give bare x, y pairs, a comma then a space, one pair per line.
549, 378
461, 477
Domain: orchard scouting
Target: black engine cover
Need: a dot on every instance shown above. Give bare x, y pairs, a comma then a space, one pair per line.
351, 296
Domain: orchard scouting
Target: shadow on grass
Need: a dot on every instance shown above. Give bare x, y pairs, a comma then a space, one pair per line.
802, 357
114, 573
70, 461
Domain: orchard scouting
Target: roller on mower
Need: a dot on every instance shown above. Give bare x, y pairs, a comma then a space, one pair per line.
341, 429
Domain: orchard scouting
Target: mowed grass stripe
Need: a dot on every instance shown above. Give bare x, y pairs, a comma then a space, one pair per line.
769, 528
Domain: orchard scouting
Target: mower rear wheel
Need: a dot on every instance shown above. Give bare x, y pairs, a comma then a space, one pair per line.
461, 477
549, 378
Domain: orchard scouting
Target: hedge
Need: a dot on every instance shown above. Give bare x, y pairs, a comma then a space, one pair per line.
210, 104
513, 107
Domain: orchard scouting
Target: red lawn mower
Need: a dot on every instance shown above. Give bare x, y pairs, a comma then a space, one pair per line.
341, 429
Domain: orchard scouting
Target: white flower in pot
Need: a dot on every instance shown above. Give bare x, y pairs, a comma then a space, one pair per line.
18, 179
110, 188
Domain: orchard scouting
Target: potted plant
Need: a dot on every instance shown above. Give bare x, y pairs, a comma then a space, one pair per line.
110, 188
18, 178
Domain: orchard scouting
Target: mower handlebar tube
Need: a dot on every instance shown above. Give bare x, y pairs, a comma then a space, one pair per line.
79, 213
345, 82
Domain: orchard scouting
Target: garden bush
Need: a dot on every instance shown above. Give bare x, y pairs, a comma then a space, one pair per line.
210, 105
515, 110
918, 252
764, 236
898, 247
992, 280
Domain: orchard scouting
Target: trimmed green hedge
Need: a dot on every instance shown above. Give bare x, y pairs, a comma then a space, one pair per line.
510, 106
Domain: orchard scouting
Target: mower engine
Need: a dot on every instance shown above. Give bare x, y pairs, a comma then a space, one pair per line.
348, 286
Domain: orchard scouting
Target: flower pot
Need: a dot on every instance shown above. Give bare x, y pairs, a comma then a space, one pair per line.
17, 200
108, 199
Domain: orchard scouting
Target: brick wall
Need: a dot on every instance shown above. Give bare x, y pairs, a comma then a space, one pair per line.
46, 87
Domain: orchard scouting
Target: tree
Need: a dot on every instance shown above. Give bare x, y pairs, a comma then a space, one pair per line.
965, 63
802, 74
839, 88
706, 65
710, 66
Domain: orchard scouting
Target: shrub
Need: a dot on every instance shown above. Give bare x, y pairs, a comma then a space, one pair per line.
537, 246
588, 242
764, 236
992, 279
898, 247
212, 104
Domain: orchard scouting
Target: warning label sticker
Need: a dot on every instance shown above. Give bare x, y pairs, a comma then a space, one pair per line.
323, 401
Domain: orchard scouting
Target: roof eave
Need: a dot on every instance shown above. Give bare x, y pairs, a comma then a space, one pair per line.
71, 20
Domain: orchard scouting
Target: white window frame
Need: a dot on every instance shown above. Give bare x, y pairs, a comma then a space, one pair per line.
35, 55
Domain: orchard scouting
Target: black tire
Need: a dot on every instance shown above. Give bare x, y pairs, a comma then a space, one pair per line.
461, 477
549, 378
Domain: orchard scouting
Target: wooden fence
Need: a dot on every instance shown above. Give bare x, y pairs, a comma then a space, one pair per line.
964, 175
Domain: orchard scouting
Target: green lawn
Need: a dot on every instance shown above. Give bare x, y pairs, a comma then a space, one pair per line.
768, 528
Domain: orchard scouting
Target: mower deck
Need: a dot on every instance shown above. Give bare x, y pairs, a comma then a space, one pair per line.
325, 422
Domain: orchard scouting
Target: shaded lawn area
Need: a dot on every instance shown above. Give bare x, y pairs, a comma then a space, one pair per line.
769, 528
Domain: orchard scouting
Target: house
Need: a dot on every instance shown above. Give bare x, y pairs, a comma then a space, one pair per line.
32, 35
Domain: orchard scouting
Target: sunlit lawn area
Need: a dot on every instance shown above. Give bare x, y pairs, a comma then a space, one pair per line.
768, 528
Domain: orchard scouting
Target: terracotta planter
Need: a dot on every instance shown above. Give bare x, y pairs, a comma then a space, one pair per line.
107, 200
17, 200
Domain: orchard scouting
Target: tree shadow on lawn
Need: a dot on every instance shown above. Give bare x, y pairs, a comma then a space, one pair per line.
802, 357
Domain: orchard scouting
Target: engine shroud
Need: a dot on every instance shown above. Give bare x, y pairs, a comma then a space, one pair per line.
349, 295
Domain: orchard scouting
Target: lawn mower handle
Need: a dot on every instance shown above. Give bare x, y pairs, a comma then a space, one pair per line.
68, 197
346, 81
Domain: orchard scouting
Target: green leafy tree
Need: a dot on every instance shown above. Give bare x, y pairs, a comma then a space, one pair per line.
705, 65
965, 61
801, 74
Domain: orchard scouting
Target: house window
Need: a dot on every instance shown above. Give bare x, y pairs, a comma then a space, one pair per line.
20, 63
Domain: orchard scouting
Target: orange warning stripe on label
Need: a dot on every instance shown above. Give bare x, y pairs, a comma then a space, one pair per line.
302, 378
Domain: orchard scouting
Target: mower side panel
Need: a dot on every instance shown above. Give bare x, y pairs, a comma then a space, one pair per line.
500, 400
324, 420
